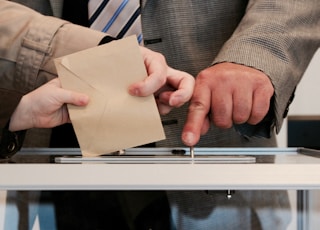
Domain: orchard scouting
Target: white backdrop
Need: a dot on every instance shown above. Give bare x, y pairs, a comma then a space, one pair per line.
307, 96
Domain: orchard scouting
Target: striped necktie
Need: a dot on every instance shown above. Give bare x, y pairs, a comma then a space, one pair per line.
119, 18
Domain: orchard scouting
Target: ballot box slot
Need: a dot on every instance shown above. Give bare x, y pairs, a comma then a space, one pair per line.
152, 159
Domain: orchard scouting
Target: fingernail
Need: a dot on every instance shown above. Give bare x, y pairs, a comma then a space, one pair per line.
134, 91
84, 99
188, 138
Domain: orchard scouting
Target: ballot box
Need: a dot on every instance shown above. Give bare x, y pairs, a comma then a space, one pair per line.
209, 169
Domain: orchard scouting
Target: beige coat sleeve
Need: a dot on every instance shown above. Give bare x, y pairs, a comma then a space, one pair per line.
29, 42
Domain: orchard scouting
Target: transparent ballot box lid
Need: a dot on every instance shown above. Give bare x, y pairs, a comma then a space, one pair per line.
163, 169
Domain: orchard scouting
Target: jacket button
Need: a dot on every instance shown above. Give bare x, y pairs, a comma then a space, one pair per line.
11, 147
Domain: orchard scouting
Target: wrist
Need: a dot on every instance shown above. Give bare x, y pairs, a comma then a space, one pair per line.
21, 119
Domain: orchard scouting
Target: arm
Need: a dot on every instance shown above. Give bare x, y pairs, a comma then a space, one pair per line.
277, 40
45, 107
29, 43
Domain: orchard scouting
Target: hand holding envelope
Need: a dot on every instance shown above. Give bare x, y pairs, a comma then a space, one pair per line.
113, 119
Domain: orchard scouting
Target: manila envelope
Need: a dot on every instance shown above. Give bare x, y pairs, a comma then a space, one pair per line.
113, 119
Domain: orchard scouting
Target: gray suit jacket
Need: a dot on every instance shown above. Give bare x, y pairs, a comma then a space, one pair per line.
276, 37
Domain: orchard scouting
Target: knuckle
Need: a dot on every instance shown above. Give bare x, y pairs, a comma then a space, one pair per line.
160, 56
240, 118
196, 106
257, 116
221, 118
222, 122
241, 114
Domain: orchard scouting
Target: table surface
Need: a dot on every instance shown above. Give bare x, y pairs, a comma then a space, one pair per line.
160, 169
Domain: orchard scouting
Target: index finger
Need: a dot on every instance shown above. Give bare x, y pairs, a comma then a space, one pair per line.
198, 110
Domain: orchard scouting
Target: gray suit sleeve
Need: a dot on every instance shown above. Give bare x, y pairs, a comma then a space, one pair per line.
279, 38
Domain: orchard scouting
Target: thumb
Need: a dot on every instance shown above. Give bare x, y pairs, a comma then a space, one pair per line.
71, 97
78, 99
65, 96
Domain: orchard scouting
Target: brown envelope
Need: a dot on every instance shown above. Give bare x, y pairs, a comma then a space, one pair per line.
113, 119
